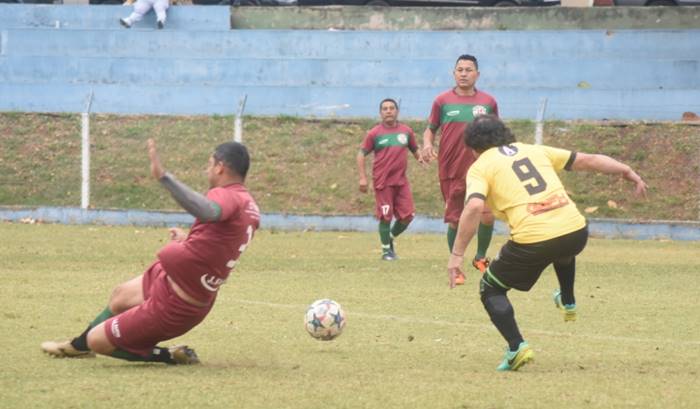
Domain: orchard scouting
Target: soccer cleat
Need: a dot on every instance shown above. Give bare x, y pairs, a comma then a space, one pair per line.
124, 23
513, 360
182, 355
481, 264
160, 25
459, 279
64, 349
569, 310
389, 255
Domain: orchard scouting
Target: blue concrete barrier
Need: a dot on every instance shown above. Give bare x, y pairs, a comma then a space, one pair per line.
605, 228
333, 102
196, 66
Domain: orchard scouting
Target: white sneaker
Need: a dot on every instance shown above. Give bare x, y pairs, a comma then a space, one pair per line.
64, 349
124, 23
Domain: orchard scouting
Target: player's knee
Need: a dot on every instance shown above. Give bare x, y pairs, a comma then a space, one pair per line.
120, 300
115, 304
494, 298
497, 305
97, 341
564, 262
487, 217
406, 220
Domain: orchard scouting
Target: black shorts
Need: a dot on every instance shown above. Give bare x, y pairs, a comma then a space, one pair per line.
519, 266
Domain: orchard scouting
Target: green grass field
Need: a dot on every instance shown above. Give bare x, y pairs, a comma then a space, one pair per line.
410, 342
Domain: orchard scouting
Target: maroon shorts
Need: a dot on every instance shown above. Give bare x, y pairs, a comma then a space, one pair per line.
453, 193
394, 201
161, 316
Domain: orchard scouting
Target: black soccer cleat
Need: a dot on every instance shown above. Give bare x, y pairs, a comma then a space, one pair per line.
182, 355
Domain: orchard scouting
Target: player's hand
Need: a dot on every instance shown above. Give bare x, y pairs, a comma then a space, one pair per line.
452, 274
363, 185
640, 186
156, 167
454, 265
640, 190
428, 153
419, 158
177, 234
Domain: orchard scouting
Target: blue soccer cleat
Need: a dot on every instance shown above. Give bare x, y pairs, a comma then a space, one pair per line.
569, 310
513, 360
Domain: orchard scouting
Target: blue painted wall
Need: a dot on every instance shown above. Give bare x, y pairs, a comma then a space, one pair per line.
198, 66
607, 228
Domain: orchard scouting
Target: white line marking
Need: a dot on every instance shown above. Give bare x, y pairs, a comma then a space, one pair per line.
416, 320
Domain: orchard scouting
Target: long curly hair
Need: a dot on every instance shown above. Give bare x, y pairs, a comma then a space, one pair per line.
487, 131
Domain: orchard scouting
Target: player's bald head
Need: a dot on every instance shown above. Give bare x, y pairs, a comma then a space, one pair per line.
487, 131
234, 156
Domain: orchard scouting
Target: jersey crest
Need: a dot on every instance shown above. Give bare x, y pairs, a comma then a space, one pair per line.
478, 110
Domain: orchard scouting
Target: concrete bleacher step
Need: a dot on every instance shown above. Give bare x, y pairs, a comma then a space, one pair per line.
244, 71
349, 101
147, 42
98, 17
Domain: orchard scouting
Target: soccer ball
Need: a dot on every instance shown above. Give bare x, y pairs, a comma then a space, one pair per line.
324, 319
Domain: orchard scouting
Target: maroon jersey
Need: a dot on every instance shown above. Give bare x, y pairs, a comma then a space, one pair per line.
389, 147
451, 113
201, 263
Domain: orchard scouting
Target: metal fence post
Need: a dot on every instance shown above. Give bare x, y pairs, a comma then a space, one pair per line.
85, 154
539, 124
238, 121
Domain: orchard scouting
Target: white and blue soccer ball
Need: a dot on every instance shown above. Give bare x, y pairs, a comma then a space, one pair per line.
324, 319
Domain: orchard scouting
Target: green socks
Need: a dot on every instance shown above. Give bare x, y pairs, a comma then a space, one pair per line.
101, 317
159, 355
80, 342
483, 239
385, 235
398, 228
451, 236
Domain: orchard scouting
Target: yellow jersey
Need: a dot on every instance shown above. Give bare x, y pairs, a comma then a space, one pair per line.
520, 184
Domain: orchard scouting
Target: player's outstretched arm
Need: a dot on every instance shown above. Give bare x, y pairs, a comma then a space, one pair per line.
605, 164
195, 203
156, 167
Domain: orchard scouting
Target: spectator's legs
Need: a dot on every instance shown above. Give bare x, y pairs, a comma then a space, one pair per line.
160, 7
141, 7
